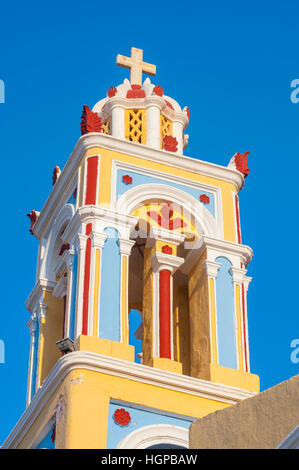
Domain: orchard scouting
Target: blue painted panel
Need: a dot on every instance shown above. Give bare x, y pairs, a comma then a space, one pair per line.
47, 443
139, 419
135, 321
139, 179
34, 361
73, 299
109, 315
226, 334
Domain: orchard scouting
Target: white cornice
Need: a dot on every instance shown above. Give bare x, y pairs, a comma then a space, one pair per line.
124, 369
92, 140
37, 291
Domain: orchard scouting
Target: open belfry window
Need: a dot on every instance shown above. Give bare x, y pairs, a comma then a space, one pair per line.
135, 125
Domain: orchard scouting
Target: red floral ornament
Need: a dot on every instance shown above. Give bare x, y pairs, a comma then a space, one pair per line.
188, 112
33, 218
241, 163
90, 121
56, 174
167, 249
121, 417
170, 143
158, 90
111, 92
204, 198
136, 92
169, 105
127, 179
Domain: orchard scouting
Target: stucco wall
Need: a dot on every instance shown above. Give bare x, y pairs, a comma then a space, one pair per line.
261, 422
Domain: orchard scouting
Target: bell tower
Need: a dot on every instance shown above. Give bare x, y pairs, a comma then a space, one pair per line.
138, 315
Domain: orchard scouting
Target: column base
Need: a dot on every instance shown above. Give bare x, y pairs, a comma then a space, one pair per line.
166, 364
234, 378
105, 347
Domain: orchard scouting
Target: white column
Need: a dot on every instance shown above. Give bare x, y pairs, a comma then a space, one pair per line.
154, 105
117, 118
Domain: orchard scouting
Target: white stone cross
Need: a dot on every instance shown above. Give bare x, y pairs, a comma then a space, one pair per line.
136, 65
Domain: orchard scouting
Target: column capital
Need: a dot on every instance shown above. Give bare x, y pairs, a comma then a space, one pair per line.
162, 261
41, 310
125, 246
98, 239
246, 281
211, 267
32, 324
168, 236
61, 288
238, 274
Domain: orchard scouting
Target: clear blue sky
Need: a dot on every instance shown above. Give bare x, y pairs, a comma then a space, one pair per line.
231, 62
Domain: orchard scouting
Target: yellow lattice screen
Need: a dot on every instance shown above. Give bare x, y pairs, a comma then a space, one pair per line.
135, 125
165, 127
106, 126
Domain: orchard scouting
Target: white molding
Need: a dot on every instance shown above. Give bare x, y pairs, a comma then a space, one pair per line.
124, 369
135, 197
167, 236
60, 288
200, 208
36, 294
155, 434
92, 140
162, 261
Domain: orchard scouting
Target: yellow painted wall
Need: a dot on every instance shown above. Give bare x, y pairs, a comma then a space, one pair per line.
50, 332
85, 398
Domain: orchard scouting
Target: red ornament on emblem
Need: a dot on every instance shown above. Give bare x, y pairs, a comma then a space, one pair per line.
170, 143
167, 249
127, 179
204, 198
111, 92
121, 417
188, 112
158, 90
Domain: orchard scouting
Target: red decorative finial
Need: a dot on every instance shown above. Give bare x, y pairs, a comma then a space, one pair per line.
135, 92
90, 121
170, 143
158, 90
241, 163
33, 218
56, 174
111, 92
